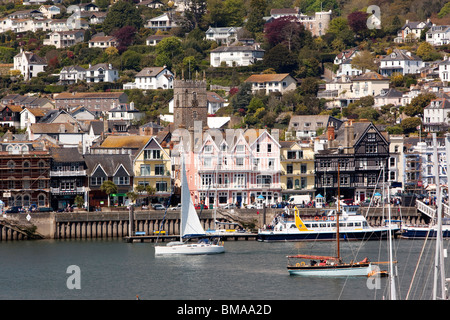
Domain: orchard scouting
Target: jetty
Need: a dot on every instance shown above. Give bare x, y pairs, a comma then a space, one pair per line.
144, 225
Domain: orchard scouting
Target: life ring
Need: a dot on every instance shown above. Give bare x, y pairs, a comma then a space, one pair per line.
324, 218
331, 218
316, 218
297, 264
303, 263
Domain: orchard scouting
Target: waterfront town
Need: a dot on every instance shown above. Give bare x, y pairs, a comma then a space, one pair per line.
100, 109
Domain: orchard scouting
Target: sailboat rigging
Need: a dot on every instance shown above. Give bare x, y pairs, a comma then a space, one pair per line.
190, 228
329, 266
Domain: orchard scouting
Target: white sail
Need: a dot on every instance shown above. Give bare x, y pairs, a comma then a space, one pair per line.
190, 223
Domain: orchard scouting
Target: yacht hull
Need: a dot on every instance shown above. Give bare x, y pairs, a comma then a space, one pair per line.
189, 249
332, 271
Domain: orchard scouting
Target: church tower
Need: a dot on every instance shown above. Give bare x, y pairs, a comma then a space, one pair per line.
190, 103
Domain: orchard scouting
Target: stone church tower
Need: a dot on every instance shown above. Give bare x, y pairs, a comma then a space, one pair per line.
190, 103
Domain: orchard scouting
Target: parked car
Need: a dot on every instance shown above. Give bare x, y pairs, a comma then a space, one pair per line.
159, 207
229, 206
178, 207
251, 206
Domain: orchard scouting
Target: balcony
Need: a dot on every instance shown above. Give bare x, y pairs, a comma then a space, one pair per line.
68, 173
60, 191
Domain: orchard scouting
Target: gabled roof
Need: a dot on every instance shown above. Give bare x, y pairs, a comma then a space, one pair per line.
109, 164
150, 72
401, 55
440, 103
267, 77
370, 76
32, 58
236, 49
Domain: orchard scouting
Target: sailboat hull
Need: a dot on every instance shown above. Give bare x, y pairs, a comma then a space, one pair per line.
332, 271
189, 249
423, 232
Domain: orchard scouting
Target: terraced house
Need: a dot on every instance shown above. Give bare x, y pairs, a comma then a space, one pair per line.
297, 169
152, 170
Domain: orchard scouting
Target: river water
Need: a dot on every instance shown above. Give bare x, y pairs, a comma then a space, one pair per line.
249, 270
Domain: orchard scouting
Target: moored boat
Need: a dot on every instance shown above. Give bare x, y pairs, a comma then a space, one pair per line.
352, 226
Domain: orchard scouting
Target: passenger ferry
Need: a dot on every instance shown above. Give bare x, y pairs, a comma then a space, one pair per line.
421, 232
352, 226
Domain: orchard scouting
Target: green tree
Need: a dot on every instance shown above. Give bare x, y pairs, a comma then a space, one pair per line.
169, 51
364, 61
255, 22
280, 59
108, 187
131, 60
121, 14
410, 124
418, 104
79, 201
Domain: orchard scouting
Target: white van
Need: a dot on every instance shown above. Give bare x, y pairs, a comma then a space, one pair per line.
300, 199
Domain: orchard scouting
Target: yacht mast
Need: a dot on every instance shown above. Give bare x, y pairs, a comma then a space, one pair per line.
338, 253
439, 270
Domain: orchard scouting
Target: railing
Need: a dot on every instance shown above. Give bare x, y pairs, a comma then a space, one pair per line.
68, 191
429, 211
69, 173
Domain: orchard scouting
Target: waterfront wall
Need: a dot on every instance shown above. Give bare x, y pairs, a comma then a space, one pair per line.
116, 224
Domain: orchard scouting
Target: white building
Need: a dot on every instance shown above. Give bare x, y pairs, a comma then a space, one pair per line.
269, 83
223, 35
102, 72
438, 35
236, 56
29, 64
125, 112
163, 22
72, 74
400, 61
102, 42
436, 115
444, 69
412, 30
152, 78
64, 39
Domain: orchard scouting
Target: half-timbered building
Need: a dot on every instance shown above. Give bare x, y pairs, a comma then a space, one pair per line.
355, 161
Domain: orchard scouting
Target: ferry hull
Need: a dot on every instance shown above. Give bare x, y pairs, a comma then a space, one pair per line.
332, 271
325, 236
189, 249
421, 233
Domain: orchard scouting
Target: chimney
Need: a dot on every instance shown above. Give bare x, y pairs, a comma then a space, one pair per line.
330, 133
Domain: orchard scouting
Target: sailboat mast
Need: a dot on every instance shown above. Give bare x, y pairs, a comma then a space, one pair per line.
439, 259
391, 259
338, 253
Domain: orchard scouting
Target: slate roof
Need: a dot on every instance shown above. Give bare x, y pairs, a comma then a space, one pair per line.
66, 155
109, 164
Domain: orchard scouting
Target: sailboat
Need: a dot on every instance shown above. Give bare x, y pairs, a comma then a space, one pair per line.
328, 266
190, 228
